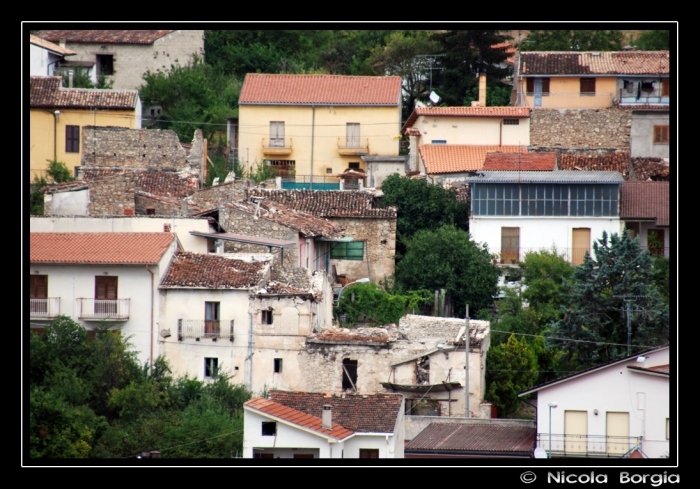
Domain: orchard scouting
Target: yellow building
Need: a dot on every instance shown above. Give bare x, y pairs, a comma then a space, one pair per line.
317, 125
582, 80
57, 115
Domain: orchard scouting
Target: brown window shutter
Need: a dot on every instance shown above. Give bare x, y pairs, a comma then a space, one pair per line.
545, 85
38, 286
530, 84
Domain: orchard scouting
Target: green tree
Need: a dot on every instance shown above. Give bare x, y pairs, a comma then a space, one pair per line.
511, 367
36, 197
58, 172
562, 40
544, 275
595, 318
653, 41
447, 258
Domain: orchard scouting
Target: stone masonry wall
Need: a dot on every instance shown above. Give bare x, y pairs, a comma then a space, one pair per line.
609, 128
417, 328
217, 195
162, 208
380, 239
239, 222
112, 196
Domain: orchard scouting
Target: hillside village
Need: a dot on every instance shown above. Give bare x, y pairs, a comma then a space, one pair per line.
244, 276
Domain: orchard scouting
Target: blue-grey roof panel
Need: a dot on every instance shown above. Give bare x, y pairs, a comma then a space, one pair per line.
558, 176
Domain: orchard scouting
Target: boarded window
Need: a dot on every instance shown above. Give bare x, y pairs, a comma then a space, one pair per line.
353, 134
369, 453
661, 135
665, 88
353, 250
276, 134
349, 374
72, 139
587, 86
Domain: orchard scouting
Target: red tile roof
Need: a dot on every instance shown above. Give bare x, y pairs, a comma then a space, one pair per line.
328, 203
519, 161
507, 112
491, 437
369, 413
103, 37
313, 423
618, 162
455, 158
649, 168
36, 40
320, 89
303, 222
157, 182
202, 271
99, 248
595, 63
46, 92
645, 200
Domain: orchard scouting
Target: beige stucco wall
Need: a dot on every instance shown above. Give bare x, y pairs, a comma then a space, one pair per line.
565, 93
472, 130
323, 128
380, 240
44, 130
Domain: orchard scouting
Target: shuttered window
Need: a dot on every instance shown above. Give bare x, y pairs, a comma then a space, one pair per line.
661, 135
105, 287
531, 85
72, 139
38, 286
353, 134
587, 86
510, 244
276, 134
665, 88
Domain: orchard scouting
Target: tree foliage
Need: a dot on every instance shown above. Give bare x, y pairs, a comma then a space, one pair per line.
447, 258
544, 275
598, 293
653, 40
563, 40
511, 367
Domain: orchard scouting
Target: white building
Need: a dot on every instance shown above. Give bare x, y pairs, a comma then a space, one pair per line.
308, 425
516, 212
609, 410
44, 56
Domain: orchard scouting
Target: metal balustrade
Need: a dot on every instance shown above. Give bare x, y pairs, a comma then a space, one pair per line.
97, 309
205, 329
44, 308
564, 445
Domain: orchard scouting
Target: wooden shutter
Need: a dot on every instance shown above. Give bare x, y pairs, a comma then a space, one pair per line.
353, 134
369, 453
661, 134
105, 287
587, 85
545, 85
212, 325
530, 84
72, 139
510, 244
38, 286
665, 88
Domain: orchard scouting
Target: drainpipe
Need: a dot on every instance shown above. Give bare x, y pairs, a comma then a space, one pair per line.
249, 358
152, 275
308, 251
55, 131
313, 119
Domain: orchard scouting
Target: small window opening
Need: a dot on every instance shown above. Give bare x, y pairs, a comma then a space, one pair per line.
511, 122
349, 374
269, 428
266, 317
278, 365
354, 165
211, 366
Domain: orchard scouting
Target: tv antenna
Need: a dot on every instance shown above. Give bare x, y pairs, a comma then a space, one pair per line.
431, 59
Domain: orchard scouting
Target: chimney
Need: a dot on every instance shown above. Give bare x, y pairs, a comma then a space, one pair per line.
475, 103
70, 79
482, 89
326, 419
62, 42
183, 207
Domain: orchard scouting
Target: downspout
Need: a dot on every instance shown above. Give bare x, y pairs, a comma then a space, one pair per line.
308, 251
249, 358
500, 136
313, 119
55, 131
151, 342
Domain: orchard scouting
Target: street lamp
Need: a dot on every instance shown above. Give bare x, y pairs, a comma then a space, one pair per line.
551, 405
358, 281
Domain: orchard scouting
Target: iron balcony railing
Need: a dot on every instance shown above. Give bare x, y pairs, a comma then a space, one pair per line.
572, 255
205, 328
44, 308
97, 309
587, 445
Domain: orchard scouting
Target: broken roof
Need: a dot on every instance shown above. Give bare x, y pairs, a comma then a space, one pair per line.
209, 271
104, 36
618, 161
46, 92
520, 161
457, 158
594, 63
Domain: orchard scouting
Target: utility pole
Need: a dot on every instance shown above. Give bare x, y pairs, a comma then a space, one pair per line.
628, 299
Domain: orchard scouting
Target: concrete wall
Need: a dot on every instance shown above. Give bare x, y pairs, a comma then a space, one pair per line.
565, 93
67, 203
472, 130
608, 128
642, 134
378, 125
131, 61
380, 240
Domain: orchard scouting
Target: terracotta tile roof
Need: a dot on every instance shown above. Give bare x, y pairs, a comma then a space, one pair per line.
474, 437
202, 271
320, 89
328, 203
307, 224
297, 417
507, 112
99, 248
656, 169
46, 92
43, 43
157, 182
368, 413
278, 288
103, 37
618, 162
65, 187
174, 202
595, 63
645, 200
518, 161
455, 158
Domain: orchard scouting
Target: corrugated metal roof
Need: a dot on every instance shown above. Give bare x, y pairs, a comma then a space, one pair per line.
560, 176
474, 437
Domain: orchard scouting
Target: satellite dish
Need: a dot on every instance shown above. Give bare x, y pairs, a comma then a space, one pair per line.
540, 453
434, 97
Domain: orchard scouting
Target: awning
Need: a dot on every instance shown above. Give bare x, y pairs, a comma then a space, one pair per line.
422, 388
337, 240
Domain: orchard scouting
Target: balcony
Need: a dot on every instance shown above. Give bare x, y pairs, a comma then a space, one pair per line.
585, 446
99, 309
277, 146
44, 308
572, 255
353, 147
205, 328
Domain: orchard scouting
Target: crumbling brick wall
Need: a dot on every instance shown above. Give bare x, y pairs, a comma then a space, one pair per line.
590, 128
217, 195
112, 196
161, 207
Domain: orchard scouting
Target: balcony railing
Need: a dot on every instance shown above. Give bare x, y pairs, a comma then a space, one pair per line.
572, 255
320, 182
205, 328
353, 146
98, 309
277, 146
44, 308
587, 445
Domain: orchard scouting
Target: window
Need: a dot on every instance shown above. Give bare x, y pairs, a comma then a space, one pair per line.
211, 366
329, 170
531, 85
105, 64
72, 139
354, 165
369, 453
511, 122
278, 365
587, 86
438, 141
269, 428
283, 168
349, 374
510, 244
276, 134
352, 131
212, 323
661, 135
353, 250
665, 88
266, 317
38, 287
263, 455
105, 295
647, 87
